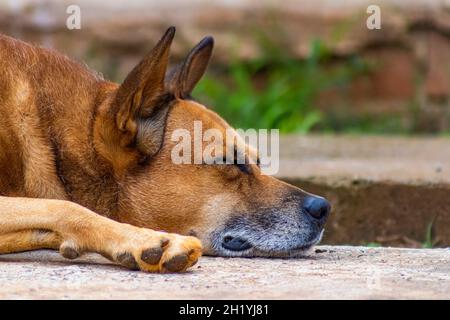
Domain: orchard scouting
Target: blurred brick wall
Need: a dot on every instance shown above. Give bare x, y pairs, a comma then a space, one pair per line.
411, 52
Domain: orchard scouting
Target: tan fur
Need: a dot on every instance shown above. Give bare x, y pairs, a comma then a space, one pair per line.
48, 101
93, 146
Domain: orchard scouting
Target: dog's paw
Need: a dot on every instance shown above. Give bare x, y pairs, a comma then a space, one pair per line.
136, 248
159, 252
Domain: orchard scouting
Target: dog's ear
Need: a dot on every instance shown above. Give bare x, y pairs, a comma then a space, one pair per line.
182, 79
139, 103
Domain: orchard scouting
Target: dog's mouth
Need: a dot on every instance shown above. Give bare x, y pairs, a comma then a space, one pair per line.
240, 246
235, 244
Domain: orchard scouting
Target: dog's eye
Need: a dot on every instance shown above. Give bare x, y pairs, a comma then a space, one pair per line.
244, 168
241, 166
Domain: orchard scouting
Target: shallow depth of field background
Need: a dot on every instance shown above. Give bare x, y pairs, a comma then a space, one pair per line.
304, 67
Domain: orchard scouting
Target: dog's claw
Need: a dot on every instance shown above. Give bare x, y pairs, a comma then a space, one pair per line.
127, 260
152, 255
176, 264
69, 250
69, 253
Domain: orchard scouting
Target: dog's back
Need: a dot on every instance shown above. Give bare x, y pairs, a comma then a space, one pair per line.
44, 98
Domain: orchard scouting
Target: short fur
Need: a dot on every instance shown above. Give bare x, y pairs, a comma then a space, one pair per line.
72, 143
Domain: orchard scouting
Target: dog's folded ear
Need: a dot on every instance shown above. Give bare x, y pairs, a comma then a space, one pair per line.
183, 78
139, 107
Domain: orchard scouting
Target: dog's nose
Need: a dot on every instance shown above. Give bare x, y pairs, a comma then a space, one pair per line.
317, 207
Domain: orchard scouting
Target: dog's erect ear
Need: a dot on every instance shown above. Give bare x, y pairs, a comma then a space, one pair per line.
144, 85
182, 80
137, 105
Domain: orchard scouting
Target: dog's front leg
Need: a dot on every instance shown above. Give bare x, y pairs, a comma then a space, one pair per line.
77, 230
27, 240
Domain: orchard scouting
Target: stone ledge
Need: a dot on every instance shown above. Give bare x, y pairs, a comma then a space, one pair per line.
342, 160
332, 272
383, 189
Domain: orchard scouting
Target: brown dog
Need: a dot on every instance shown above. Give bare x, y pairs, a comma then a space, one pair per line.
72, 144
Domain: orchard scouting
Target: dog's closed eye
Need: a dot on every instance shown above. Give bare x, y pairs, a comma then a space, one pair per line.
245, 168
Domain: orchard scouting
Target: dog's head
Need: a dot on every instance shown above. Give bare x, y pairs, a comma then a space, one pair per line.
233, 208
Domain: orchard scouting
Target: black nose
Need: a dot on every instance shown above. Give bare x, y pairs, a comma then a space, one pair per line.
317, 207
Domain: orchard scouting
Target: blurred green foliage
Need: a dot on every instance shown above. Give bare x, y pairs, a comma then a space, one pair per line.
276, 91
373, 245
430, 241
351, 123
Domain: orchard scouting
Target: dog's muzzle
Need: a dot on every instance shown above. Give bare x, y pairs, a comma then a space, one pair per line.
281, 233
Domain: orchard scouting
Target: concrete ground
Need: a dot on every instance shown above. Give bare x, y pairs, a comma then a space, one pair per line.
330, 272
382, 190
